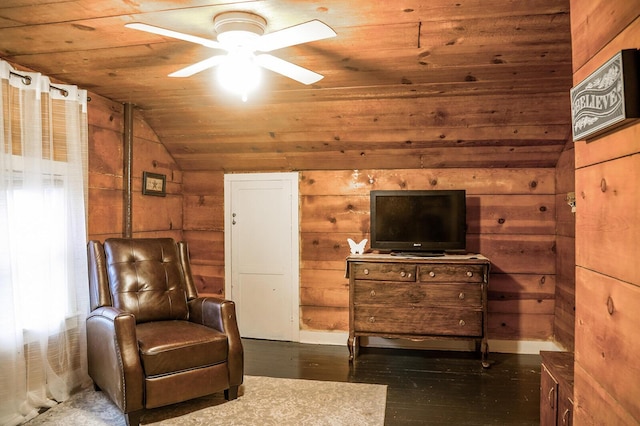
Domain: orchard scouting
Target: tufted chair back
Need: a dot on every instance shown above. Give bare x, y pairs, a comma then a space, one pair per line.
146, 279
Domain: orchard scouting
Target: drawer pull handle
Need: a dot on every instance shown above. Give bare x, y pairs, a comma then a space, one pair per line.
432, 274
565, 416
551, 398
373, 293
469, 273
372, 319
366, 272
462, 323
403, 274
461, 296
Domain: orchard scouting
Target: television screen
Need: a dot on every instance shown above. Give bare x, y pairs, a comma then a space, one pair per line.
432, 221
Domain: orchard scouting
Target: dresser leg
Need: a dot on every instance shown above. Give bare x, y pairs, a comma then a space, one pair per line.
352, 344
485, 353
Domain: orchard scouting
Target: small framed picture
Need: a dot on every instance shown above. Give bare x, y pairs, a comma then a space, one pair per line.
154, 184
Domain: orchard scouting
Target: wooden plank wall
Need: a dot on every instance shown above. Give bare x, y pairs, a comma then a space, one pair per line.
511, 220
203, 205
151, 216
607, 338
565, 307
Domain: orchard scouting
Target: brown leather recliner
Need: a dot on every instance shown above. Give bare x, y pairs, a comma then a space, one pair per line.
151, 341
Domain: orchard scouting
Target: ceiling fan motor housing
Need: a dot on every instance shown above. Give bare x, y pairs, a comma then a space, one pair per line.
238, 28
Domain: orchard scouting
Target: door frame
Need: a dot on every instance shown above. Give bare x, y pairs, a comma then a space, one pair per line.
292, 178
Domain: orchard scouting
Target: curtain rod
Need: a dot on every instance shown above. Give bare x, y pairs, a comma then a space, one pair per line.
27, 81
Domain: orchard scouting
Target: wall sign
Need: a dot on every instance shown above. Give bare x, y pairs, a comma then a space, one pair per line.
608, 98
154, 184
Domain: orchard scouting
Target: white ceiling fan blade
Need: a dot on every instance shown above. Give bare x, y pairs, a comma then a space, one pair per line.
298, 34
174, 34
288, 69
199, 66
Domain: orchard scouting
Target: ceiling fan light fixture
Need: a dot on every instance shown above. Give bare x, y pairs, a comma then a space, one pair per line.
239, 74
239, 32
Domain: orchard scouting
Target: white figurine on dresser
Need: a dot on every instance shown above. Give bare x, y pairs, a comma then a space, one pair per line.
357, 248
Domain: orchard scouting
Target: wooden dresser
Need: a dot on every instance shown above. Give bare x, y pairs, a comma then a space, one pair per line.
418, 298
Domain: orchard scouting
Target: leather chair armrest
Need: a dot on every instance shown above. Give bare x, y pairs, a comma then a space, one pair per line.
114, 362
220, 314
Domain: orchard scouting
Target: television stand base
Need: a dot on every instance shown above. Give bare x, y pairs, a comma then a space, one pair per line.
417, 254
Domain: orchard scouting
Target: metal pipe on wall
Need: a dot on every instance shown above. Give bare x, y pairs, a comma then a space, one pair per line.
127, 170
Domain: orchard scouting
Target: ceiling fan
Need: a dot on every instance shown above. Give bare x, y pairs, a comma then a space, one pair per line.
241, 35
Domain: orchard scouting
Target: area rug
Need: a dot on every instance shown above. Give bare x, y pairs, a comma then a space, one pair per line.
262, 401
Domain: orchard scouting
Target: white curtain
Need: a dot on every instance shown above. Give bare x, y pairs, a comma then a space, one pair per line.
43, 268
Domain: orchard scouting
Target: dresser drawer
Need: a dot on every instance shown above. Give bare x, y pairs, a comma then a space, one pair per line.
451, 273
384, 271
417, 294
418, 321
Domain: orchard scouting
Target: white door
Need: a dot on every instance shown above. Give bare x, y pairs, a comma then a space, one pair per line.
261, 253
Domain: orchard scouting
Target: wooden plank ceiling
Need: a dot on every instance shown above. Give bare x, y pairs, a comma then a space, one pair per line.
408, 83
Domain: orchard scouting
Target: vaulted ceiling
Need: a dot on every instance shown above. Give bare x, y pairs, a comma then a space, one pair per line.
407, 83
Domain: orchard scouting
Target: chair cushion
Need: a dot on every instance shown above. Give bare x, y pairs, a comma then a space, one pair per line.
146, 278
171, 346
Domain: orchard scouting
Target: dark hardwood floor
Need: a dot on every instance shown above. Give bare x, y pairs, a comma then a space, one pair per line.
423, 387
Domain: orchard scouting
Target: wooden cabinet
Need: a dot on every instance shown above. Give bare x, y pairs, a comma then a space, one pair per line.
556, 388
418, 298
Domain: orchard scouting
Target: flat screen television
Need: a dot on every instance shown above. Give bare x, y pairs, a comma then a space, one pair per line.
422, 222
